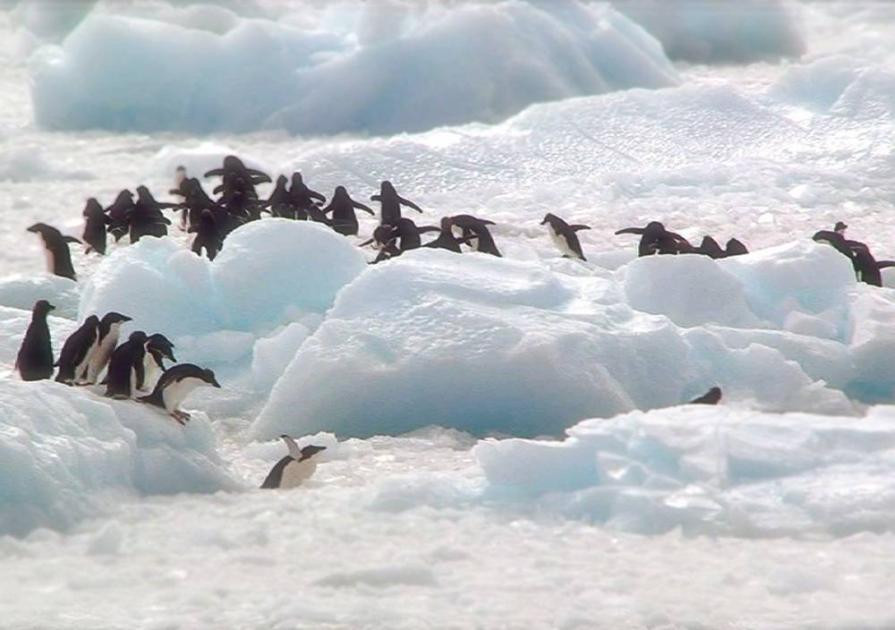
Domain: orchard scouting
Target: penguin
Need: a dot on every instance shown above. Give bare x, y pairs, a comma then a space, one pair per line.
476, 230
195, 200
293, 469
126, 367
711, 397
234, 167
35, 358
302, 197
145, 217
564, 236
446, 239
279, 204
175, 385
95, 222
208, 236
390, 204
342, 206
867, 268
655, 239
109, 329
158, 348
709, 247
56, 250
117, 214
735, 247
74, 358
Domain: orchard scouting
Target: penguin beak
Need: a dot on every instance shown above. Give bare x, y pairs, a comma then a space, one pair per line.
214, 383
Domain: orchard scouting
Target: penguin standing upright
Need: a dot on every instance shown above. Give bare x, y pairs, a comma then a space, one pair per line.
174, 386
109, 329
74, 358
302, 197
158, 348
117, 214
56, 250
35, 358
95, 222
390, 203
344, 221
295, 468
126, 366
145, 217
279, 204
208, 236
564, 236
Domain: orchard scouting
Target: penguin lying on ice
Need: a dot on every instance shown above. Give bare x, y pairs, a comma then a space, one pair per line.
175, 385
295, 468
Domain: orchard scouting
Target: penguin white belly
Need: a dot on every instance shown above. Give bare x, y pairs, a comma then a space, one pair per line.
175, 393
150, 370
82, 369
296, 473
100, 357
561, 244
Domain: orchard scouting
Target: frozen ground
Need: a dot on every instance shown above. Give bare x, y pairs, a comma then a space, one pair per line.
773, 511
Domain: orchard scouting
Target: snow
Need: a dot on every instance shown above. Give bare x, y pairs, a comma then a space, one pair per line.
474, 62
565, 486
709, 470
67, 454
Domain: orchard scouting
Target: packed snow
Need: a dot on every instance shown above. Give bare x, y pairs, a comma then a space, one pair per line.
508, 443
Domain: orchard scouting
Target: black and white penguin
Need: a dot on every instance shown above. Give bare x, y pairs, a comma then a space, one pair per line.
56, 250
175, 385
867, 268
655, 239
35, 358
126, 367
95, 222
208, 237
711, 397
109, 329
476, 231
295, 468
564, 236
342, 206
158, 348
117, 214
74, 358
302, 197
390, 203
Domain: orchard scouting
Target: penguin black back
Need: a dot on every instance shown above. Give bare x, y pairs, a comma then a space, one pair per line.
75, 353
35, 358
711, 397
56, 248
126, 366
95, 222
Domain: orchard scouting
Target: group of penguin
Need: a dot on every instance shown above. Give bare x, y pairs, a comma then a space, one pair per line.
129, 367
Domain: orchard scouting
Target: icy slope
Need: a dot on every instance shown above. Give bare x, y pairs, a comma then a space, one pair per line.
474, 62
66, 454
720, 470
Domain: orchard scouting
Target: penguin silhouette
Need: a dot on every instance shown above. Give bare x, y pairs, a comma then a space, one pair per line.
56, 250
95, 222
390, 203
34, 361
655, 239
302, 197
74, 358
342, 206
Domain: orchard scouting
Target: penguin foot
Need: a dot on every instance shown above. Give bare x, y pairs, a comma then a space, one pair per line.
181, 416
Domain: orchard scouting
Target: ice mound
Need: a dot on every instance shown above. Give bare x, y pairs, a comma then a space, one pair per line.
719, 32
472, 61
488, 345
28, 164
23, 291
269, 273
65, 454
715, 470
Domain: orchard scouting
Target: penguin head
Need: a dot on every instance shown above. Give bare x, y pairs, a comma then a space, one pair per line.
124, 196
92, 321
138, 336
840, 227
208, 376
309, 451
446, 224
387, 188
162, 345
92, 208
114, 318
282, 180
340, 192
296, 178
40, 228
42, 307
233, 163
654, 228
549, 218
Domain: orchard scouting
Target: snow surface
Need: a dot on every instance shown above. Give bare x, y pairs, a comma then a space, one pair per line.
774, 510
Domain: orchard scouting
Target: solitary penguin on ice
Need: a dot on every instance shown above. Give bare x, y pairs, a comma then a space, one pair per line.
175, 385
56, 249
126, 367
35, 359
74, 359
564, 236
109, 329
294, 468
711, 397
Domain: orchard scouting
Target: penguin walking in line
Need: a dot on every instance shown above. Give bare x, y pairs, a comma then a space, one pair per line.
126, 367
35, 358
391, 203
56, 250
208, 236
564, 236
109, 329
476, 231
175, 385
74, 358
344, 221
95, 222
655, 239
295, 468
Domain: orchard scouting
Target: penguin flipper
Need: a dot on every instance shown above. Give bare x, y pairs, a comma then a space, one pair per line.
578, 226
361, 206
71, 239
631, 230
214, 172
885, 264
